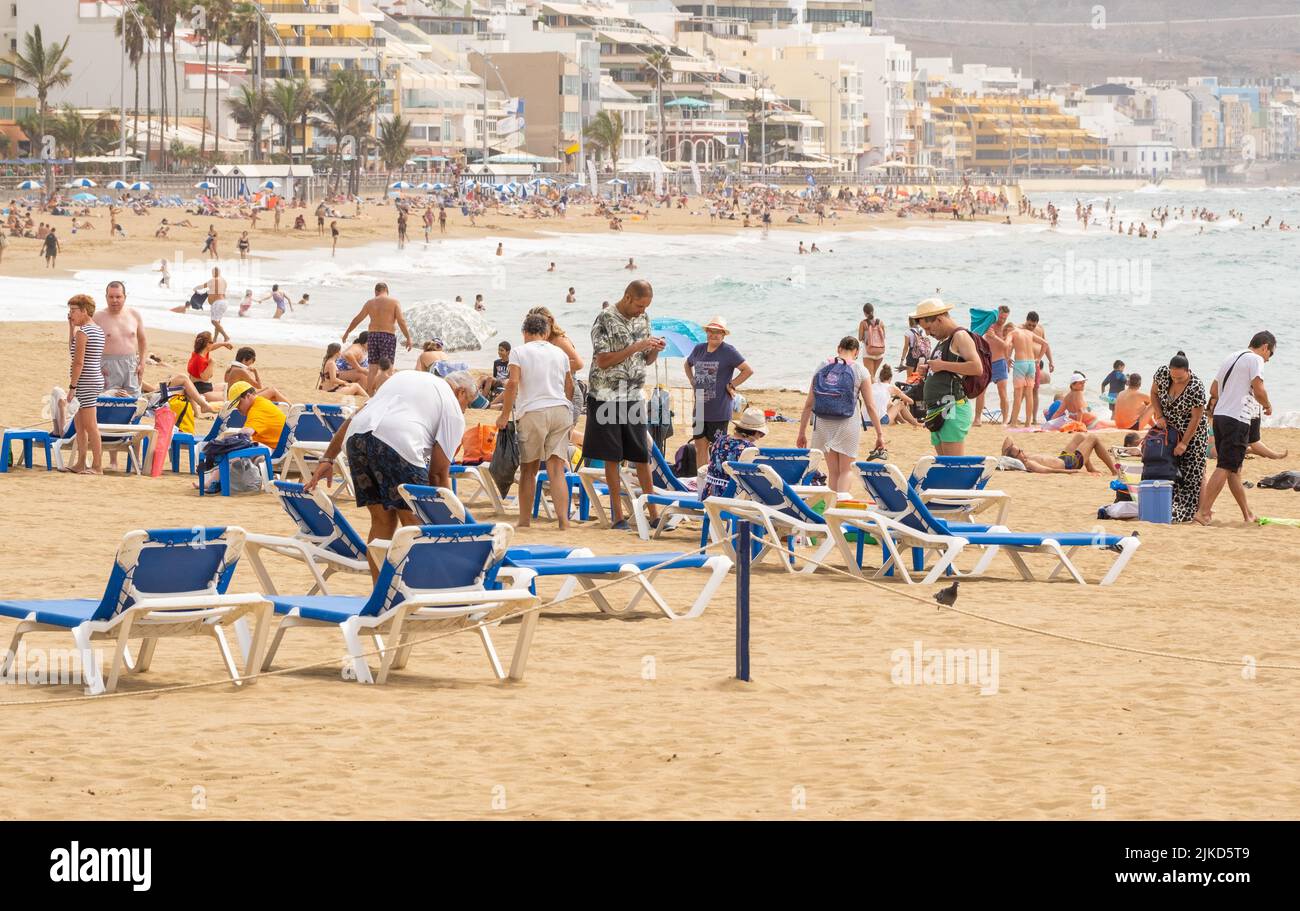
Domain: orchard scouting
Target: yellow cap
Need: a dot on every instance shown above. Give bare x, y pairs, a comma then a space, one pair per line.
237, 389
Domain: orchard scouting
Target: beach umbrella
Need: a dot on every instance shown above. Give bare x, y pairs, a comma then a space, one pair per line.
424, 185
204, 185
461, 328
141, 186
85, 197
30, 185
269, 185
438, 185
118, 185
79, 182
401, 185
676, 344
686, 327
617, 181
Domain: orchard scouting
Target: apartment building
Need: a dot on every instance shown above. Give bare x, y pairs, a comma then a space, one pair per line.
1015, 135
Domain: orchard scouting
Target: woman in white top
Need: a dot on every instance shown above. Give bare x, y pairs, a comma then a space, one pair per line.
892, 404
838, 437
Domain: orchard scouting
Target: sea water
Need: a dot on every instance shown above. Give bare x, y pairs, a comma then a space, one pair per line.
1101, 296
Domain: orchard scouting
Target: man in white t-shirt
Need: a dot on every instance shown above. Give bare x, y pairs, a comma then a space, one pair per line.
406, 433
539, 390
1237, 391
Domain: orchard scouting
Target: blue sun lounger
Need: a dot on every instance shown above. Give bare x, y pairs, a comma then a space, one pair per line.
164, 583
763, 498
671, 494
951, 486
325, 539
440, 506
589, 572
921, 526
434, 578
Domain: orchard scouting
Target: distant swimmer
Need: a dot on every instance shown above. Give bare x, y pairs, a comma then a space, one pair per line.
500, 249
631, 264
551, 268
571, 297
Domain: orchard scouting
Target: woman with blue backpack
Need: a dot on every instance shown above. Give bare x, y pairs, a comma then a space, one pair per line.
834, 405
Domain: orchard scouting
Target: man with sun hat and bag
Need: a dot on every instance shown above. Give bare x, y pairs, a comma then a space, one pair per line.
948, 408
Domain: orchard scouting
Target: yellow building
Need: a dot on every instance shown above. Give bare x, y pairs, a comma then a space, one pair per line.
1013, 134
315, 39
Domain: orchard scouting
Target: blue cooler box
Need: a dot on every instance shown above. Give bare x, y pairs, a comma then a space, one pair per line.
1156, 501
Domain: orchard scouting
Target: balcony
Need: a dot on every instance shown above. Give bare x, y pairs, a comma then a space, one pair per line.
329, 41
316, 9
703, 126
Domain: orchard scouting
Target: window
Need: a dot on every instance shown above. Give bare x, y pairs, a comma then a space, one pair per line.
570, 122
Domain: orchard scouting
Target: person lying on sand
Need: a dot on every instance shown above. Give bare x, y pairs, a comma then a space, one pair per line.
1076, 455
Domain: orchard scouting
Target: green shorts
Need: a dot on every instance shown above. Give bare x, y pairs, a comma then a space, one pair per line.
956, 424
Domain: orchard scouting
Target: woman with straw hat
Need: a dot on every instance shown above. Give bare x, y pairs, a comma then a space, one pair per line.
748, 430
715, 368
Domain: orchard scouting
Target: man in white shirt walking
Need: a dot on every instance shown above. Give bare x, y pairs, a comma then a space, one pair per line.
539, 389
1237, 388
406, 433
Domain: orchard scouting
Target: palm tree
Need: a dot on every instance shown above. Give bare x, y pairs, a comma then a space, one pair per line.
217, 13
134, 42
249, 108
605, 134
291, 101
42, 67
393, 135
163, 13
657, 60
345, 108
80, 135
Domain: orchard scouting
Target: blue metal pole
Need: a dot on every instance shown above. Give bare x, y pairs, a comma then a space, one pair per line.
744, 554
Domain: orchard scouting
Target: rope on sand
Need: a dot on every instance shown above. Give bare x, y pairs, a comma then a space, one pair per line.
226, 681
1065, 637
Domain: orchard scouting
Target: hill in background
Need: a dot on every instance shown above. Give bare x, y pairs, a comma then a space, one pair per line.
1057, 41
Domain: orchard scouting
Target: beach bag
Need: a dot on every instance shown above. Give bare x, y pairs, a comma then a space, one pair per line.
505, 458
578, 404
978, 382
246, 476
835, 390
876, 334
180, 406
685, 463
478, 444
919, 349
659, 417
1158, 460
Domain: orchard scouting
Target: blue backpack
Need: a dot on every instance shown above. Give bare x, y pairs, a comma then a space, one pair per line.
835, 390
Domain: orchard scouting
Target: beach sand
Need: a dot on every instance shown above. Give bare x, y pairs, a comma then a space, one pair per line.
1075, 731
96, 249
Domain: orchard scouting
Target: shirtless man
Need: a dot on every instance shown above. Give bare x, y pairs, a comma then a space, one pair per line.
385, 315
995, 336
1034, 326
1026, 349
1075, 456
125, 344
216, 287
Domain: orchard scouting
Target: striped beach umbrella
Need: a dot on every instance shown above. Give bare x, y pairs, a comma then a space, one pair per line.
401, 185
438, 185
269, 185
30, 185
141, 186
205, 185
80, 183
118, 185
424, 185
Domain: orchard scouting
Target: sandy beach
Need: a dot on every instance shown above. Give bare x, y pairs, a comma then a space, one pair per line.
638, 717
97, 249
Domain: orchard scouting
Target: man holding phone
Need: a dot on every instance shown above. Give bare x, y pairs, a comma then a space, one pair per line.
616, 429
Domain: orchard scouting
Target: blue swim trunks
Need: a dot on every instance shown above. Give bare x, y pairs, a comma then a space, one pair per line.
1024, 370
999, 370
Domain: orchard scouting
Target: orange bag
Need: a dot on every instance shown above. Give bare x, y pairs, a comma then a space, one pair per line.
478, 444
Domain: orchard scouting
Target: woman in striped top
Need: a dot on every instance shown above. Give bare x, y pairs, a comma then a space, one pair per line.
86, 348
